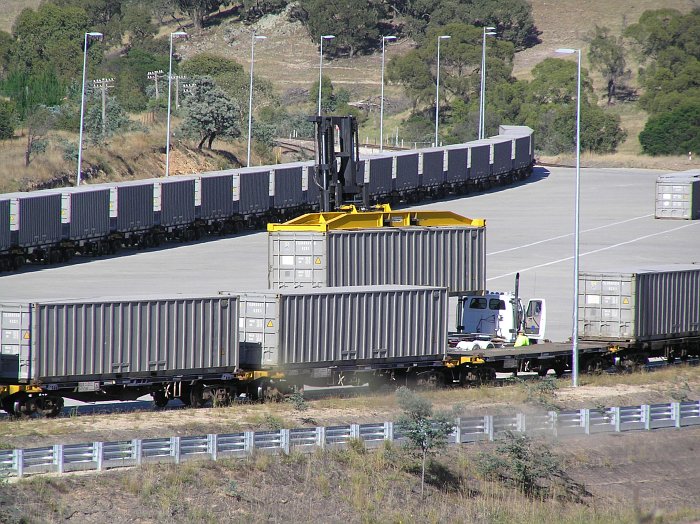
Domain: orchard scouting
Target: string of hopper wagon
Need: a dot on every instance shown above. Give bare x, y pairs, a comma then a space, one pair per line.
343, 307
51, 226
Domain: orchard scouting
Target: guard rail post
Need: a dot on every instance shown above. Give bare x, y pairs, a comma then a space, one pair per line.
554, 421
389, 431
676, 413
488, 426
616, 419
284, 441
355, 431
585, 415
457, 432
18, 462
646, 416
321, 437
136, 450
248, 442
213, 446
175, 449
98, 449
58, 457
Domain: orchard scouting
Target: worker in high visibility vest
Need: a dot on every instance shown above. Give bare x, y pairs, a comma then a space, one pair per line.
521, 340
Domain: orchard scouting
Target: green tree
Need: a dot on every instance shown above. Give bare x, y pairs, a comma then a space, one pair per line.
210, 113
104, 16
7, 44
425, 430
673, 133
39, 122
254, 9
199, 9
209, 64
7, 120
115, 120
51, 39
131, 75
607, 54
356, 25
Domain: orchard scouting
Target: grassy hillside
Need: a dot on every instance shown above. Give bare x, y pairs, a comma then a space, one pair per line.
9, 9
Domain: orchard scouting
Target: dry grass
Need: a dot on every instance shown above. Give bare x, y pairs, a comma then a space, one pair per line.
350, 485
9, 9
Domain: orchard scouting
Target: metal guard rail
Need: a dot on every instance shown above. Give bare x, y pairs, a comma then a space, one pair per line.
99, 456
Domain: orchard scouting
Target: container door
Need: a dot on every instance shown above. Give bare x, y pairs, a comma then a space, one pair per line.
535, 319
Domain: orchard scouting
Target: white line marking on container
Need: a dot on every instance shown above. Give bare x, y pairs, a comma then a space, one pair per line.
591, 252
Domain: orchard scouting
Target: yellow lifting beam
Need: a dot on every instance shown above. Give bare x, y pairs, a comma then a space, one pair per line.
379, 216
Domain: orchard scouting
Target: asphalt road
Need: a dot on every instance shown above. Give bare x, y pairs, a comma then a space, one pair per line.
529, 230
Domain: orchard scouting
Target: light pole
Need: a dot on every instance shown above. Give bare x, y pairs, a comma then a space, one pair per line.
250, 98
177, 34
574, 335
482, 98
320, 70
88, 36
437, 88
381, 102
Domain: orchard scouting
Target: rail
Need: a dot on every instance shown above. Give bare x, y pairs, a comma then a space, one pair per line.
100, 456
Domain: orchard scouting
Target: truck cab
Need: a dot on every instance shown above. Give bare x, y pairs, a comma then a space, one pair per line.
500, 316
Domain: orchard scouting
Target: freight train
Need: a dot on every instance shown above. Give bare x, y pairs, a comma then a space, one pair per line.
327, 321
51, 226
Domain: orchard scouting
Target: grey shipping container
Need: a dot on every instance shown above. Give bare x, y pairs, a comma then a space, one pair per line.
640, 304
217, 195
309, 184
85, 212
288, 186
336, 326
502, 155
52, 342
134, 205
405, 170
431, 167
479, 159
380, 174
5, 240
523, 147
678, 195
253, 189
451, 257
177, 201
35, 217
456, 168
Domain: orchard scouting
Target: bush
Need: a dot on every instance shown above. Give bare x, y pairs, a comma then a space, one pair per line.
673, 133
530, 467
7, 120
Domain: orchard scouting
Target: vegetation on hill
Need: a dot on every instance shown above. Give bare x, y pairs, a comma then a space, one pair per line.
41, 68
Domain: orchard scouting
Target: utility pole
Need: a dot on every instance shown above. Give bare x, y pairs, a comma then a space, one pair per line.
177, 79
155, 76
103, 84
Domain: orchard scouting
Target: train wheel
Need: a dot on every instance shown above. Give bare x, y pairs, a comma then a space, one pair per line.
49, 407
160, 399
8, 405
197, 396
595, 366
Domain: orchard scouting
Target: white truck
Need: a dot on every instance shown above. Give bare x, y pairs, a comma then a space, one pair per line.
489, 319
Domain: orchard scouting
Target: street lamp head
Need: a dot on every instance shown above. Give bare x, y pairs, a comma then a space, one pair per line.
179, 34
94, 35
260, 37
327, 37
489, 28
444, 37
566, 51
490, 33
389, 37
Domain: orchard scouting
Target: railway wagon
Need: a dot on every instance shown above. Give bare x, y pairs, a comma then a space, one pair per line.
422, 248
52, 225
641, 304
113, 348
343, 327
